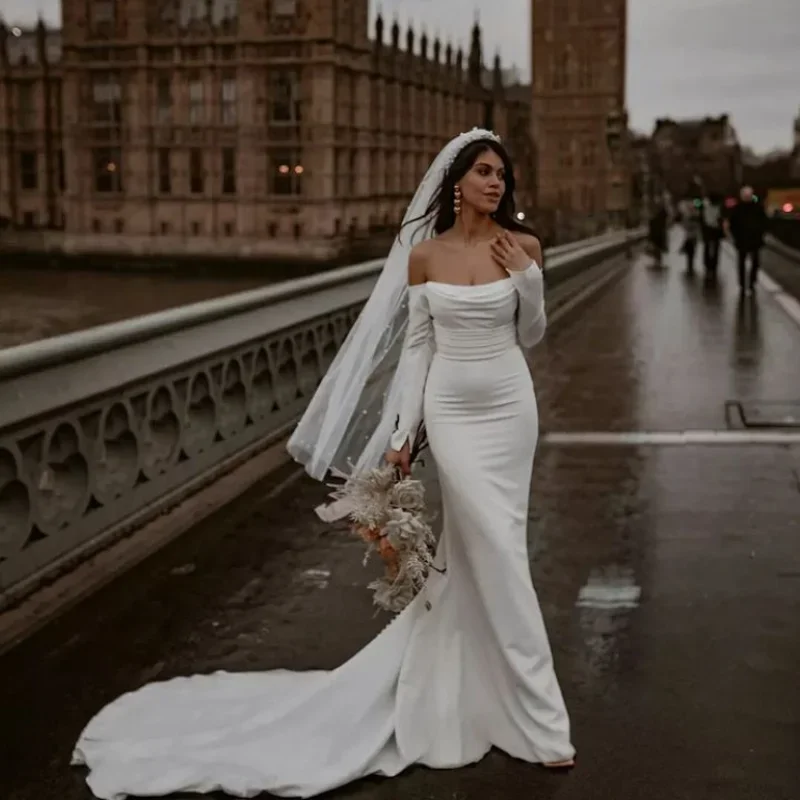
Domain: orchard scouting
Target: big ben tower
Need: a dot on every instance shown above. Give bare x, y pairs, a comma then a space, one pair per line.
578, 60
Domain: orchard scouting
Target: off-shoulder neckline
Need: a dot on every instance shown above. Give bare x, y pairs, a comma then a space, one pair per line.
469, 285
474, 285
460, 285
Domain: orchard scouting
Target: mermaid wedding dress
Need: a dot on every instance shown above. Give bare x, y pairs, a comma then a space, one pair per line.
466, 666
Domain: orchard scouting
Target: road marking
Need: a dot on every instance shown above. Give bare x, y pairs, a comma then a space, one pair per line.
669, 438
769, 284
788, 303
610, 588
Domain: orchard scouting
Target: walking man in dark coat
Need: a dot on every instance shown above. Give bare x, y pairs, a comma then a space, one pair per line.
748, 227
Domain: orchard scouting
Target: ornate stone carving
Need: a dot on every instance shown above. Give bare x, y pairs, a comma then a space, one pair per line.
67, 480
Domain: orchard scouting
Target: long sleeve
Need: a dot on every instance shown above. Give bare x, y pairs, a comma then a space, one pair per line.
416, 359
531, 317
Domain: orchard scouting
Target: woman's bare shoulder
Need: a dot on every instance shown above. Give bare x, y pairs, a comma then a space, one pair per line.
530, 244
418, 260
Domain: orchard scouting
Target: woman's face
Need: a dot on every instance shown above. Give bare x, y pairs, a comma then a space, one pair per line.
484, 184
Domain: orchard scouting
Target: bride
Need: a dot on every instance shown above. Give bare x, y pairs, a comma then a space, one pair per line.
467, 665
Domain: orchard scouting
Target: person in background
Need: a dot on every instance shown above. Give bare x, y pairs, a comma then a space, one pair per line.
658, 232
748, 227
690, 220
713, 233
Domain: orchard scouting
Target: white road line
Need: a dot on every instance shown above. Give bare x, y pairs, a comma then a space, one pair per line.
769, 284
788, 303
670, 438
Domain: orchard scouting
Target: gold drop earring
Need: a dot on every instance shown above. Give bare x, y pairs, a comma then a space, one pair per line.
457, 200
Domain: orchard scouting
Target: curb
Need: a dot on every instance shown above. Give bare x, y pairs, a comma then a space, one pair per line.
785, 300
789, 303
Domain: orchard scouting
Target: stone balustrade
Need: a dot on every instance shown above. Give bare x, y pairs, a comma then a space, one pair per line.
103, 429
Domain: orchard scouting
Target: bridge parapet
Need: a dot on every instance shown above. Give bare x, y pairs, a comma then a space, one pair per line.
103, 429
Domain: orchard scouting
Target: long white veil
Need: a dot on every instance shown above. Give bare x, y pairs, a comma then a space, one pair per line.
347, 426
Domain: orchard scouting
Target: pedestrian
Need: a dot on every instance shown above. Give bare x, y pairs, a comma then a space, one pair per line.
690, 222
713, 233
657, 235
748, 227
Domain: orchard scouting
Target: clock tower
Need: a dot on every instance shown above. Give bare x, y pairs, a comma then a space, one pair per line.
579, 117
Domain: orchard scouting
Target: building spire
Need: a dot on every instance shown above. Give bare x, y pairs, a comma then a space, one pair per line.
475, 61
497, 73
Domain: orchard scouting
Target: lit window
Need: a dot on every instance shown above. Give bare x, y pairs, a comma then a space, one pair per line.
107, 169
285, 172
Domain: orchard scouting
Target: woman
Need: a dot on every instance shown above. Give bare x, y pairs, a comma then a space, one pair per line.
467, 665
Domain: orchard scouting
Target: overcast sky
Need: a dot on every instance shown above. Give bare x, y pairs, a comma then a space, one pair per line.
685, 57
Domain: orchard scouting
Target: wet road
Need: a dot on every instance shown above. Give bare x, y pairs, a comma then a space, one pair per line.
669, 578
665, 352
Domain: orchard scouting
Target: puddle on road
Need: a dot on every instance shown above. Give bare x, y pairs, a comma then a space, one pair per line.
320, 578
610, 588
605, 603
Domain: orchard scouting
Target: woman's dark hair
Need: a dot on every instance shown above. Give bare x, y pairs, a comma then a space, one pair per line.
441, 207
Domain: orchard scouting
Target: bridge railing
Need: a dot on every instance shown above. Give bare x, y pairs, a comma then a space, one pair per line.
103, 429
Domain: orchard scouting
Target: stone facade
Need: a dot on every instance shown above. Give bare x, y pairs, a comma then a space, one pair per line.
32, 159
580, 126
694, 155
646, 190
233, 122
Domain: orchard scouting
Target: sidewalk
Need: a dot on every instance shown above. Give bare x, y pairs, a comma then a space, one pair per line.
668, 576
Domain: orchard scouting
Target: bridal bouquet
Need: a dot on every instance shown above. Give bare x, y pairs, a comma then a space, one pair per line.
388, 513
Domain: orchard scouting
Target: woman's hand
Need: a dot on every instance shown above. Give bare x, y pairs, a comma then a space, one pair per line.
508, 253
400, 458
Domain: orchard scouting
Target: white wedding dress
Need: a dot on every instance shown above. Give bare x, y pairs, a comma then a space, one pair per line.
465, 667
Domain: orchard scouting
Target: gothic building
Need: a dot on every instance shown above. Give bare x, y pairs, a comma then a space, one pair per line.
697, 155
32, 164
580, 125
261, 127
